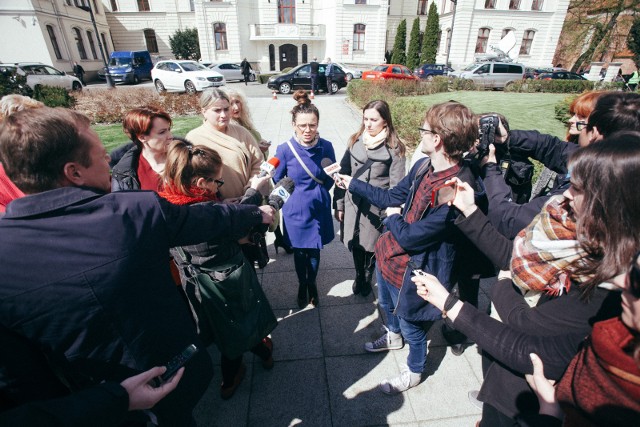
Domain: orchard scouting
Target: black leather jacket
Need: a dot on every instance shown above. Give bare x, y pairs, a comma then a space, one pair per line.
124, 175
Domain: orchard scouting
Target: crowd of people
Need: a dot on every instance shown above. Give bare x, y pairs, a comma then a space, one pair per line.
176, 225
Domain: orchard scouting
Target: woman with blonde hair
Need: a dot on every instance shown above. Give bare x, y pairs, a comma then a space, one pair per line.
376, 155
240, 115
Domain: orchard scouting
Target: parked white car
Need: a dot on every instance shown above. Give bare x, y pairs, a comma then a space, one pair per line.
232, 71
184, 76
39, 74
350, 73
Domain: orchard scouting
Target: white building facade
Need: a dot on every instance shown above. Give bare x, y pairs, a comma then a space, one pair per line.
273, 34
54, 32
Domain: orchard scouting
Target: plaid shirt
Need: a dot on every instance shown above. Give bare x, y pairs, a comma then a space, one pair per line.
391, 258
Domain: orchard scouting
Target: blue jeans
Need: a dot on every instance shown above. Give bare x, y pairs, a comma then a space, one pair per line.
306, 262
414, 333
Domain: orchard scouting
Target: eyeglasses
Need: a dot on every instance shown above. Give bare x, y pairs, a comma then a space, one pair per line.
581, 125
425, 131
634, 277
307, 126
220, 182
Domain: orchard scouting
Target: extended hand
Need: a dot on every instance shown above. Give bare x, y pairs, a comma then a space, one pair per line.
260, 183
430, 289
268, 214
339, 215
465, 198
543, 388
491, 157
342, 181
142, 395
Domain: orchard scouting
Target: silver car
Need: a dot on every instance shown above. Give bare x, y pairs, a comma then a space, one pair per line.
232, 71
39, 74
350, 73
491, 75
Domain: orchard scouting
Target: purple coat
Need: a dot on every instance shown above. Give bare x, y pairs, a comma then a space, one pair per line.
307, 214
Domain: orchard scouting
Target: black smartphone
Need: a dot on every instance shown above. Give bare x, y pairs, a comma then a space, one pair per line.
418, 272
176, 363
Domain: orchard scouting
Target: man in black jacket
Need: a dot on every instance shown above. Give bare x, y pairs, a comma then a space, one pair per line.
314, 74
86, 294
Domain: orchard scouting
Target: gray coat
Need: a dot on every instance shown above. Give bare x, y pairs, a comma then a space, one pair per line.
362, 223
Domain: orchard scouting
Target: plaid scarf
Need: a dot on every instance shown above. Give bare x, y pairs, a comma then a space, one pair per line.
544, 249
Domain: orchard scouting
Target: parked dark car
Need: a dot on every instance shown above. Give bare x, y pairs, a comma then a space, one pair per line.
562, 75
300, 78
428, 71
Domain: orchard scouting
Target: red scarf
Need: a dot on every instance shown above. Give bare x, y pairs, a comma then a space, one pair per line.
602, 384
173, 195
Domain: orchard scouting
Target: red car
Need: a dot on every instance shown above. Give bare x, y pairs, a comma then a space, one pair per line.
389, 71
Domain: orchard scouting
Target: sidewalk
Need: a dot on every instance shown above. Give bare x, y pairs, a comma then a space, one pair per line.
322, 375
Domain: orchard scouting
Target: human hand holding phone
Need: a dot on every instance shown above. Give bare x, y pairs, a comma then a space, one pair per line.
464, 198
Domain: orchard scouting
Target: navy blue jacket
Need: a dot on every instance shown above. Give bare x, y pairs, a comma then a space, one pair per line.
432, 242
86, 283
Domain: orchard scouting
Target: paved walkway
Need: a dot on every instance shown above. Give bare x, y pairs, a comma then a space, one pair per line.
322, 375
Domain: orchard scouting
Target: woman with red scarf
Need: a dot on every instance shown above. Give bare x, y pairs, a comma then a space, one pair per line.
193, 174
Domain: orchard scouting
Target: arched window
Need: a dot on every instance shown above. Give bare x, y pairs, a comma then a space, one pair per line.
92, 45
483, 39
80, 43
151, 41
527, 41
422, 7
114, 6
514, 5
220, 35
272, 57
304, 53
358, 36
537, 4
489, 4
54, 42
287, 11
505, 32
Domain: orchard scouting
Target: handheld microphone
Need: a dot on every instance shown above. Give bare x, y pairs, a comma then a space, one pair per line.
281, 193
267, 168
329, 167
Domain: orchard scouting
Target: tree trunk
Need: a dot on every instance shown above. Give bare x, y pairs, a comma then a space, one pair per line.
601, 33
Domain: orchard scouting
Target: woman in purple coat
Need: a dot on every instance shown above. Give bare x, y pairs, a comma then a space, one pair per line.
308, 224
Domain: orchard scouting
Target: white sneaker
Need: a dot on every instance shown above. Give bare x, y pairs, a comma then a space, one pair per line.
402, 382
388, 341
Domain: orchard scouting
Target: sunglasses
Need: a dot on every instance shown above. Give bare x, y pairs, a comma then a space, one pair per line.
634, 278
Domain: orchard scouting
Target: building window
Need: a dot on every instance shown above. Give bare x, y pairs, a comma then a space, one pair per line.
151, 41
361, 1
422, 7
483, 38
505, 32
92, 45
514, 5
438, 41
220, 35
358, 36
304, 53
105, 46
143, 6
54, 41
80, 43
489, 4
192, 6
537, 4
272, 57
95, 7
114, 6
527, 40
287, 11
448, 40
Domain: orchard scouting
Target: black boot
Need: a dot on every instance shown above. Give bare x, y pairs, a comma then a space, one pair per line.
359, 264
369, 272
313, 294
302, 295
279, 242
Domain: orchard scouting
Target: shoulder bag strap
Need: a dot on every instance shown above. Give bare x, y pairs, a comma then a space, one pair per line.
363, 168
306, 169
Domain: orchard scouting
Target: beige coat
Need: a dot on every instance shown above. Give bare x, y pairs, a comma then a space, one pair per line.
240, 153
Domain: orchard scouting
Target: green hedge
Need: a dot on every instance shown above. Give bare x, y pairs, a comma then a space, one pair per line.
560, 86
14, 84
52, 96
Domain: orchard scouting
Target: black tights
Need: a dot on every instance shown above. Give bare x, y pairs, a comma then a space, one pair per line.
230, 367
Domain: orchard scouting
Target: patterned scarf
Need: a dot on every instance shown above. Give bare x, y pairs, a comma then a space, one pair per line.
305, 145
373, 142
174, 196
544, 249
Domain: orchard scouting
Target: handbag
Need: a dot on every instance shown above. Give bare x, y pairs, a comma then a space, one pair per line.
233, 305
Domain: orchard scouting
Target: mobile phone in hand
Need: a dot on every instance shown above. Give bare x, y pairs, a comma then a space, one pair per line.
174, 364
418, 272
443, 195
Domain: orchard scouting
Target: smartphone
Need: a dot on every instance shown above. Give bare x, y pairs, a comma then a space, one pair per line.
418, 272
176, 363
443, 194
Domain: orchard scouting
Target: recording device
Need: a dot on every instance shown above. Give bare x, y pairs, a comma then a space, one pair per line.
268, 167
489, 128
278, 197
332, 169
418, 272
174, 364
443, 194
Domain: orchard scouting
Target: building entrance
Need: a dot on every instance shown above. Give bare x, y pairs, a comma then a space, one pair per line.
288, 55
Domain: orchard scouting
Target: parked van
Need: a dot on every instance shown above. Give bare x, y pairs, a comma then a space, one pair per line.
129, 66
491, 75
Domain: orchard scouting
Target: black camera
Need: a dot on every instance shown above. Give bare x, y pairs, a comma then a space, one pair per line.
489, 128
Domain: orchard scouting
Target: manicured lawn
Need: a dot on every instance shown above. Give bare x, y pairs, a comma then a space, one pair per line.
526, 111
112, 136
